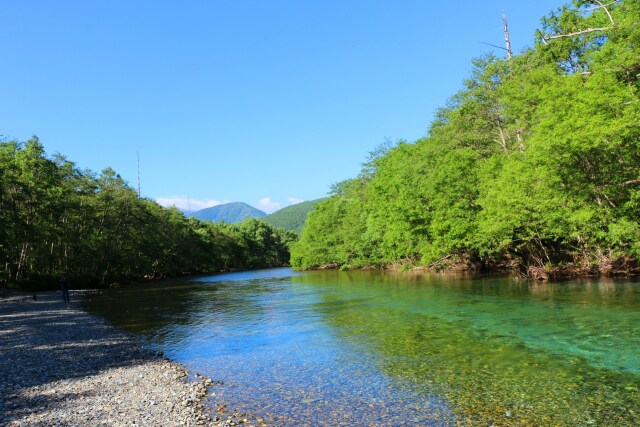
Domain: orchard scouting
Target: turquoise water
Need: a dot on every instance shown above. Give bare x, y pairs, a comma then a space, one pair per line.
392, 349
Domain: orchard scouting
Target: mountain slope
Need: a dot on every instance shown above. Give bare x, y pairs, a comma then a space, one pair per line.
292, 217
229, 213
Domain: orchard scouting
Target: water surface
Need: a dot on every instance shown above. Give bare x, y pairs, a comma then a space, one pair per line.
389, 349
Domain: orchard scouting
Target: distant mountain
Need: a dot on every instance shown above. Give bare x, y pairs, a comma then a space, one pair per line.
229, 213
292, 217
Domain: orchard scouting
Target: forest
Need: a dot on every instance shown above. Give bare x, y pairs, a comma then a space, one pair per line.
533, 166
57, 219
291, 217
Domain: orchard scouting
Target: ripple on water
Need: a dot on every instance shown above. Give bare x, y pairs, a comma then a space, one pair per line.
379, 349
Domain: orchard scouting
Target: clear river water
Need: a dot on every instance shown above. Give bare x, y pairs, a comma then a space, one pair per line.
370, 348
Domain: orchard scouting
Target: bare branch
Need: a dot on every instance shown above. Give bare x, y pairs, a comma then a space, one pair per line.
545, 38
589, 9
606, 10
506, 36
630, 182
493, 45
577, 33
613, 205
624, 184
503, 139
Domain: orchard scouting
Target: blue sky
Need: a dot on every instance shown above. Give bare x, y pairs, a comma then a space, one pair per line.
265, 102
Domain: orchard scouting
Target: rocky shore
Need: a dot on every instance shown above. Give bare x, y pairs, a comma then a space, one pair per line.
60, 366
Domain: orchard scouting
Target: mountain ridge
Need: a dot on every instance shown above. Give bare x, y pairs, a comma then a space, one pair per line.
292, 217
231, 213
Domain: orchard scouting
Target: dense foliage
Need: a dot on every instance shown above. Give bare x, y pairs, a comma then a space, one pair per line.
533, 164
56, 218
292, 217
230, 213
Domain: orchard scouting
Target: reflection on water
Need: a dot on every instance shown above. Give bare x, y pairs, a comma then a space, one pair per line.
388, 349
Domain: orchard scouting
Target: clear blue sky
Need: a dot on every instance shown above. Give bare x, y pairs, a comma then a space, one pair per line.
239, 100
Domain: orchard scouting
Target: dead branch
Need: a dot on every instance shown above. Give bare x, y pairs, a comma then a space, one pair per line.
506, 36
440, 261
547, 37
630, 182
606, 11
503, 139
624, 184
613, 205
589, 9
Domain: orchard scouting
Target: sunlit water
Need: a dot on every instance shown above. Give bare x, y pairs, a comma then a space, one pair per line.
393, 349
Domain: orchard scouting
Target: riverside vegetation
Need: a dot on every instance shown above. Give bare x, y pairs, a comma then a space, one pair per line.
56, 218
532, 166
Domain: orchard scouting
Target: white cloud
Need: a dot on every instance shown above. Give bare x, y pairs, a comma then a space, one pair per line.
267, 205
294, 200
187, 203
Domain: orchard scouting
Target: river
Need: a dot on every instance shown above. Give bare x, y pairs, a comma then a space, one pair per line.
370, 348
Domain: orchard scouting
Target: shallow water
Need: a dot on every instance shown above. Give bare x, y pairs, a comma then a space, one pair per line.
391, 349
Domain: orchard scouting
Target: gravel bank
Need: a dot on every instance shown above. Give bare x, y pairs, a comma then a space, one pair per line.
60, 366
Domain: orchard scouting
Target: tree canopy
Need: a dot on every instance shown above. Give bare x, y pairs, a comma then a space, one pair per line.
292, 217
533, 164
56, 218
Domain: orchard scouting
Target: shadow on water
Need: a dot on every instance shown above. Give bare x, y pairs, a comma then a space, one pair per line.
502, 352
169, 311
386, 349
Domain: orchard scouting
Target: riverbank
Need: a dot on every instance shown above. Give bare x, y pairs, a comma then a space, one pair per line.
61, 366
621, 267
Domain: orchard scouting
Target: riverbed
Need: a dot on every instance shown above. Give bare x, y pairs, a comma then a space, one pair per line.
369, 348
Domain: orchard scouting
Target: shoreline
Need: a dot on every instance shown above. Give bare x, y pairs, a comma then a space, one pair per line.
618, 269
64, 366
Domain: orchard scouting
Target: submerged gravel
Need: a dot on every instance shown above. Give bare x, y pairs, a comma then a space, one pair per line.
60, 366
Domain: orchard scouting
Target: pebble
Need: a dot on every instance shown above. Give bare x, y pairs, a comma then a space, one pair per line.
61, 366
